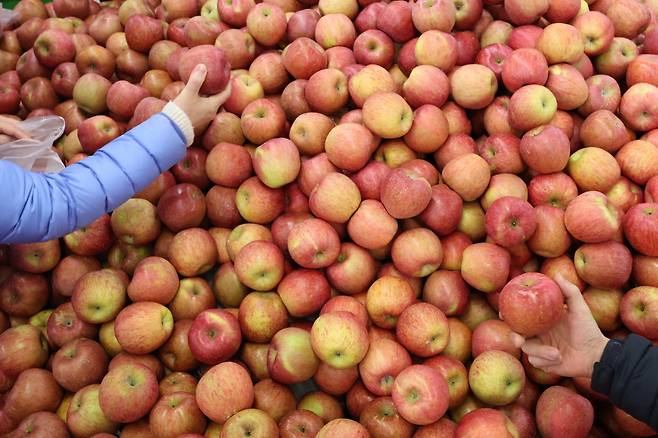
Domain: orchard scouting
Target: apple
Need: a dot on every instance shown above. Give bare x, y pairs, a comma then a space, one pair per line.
496, 377
597, 30
304, 292
605, 307
581, 164
561, 412
23, 295
531, 304
510, 221
181, 206
637, 310
638, 228
439, 15
313, 243
193, 252
244, 234
643, 270
45, 423
349, 146
53, 47
381, 417
154, 279
93, 239
605, 130
561, 43
473, 86
30, 342
85, 416
261, 120
224, 390
71, 8
221, 208
343, 427
373, 47
269, 69
64, 325
485, 266
638, 160
201, 30
175, 415
423, 329
290, 357
90, 93
128, 392
598, 209
487, 421
384, 361
193, 297
615, 59
368, 81
262, 314
34, 390
436, 48
417, 252
177, 382
420, 394
259, 265
605, 265
143, 327
551, 238
99, 295
327, 91
276, 162
531, 106
557, 190
300, 423
79, 363
493, 335
218, 67
339, 339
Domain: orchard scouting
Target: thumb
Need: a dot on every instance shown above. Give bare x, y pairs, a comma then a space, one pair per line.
517, 339
219, 98
573, 296
196, 79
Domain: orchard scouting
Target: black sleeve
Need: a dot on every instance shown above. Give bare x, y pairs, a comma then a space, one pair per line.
628, 374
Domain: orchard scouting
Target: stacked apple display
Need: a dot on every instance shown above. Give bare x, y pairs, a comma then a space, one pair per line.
388, 193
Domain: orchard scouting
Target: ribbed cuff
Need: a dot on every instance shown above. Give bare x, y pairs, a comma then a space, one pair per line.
181, 120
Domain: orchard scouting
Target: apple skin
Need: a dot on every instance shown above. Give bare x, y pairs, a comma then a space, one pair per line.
53, 47
510, 221
394, 123
387, 298
300, 423
637, 310
143, 327
261, 315
267, 24
34, 390
467, 167
350, 145
177, 382
643, 270
531, 304
41, 423
639, 226
313, 244
485, 266
420, 394
290, 357
493, 334
604, 265
417, 252
638, 160
223, 390
473, 86
562, 412
531, 106
123, 97
602, 128
219, 69
85, 416
176, 415
304, 292
496, 377
69, 270
599, 211
96, 132
536, 142
214, 336
339, 339
380, 417
99, 295
485, 421
423, 329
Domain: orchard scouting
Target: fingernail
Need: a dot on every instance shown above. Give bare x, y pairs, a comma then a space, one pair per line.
202, 68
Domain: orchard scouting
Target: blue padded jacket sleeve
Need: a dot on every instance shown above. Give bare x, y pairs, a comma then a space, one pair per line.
36, 207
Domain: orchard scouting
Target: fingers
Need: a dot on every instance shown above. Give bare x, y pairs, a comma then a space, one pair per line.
196, 80
533, 347
543, 364
219, 99
517, 340
13, 130
573, 296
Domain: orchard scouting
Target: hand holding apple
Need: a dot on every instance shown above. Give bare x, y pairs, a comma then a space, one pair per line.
572, 347
200, 110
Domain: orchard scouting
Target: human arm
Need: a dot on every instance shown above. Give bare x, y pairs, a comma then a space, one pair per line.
625, 371
39, 207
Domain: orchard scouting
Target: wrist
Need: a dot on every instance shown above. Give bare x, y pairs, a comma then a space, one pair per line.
597, 353
181, 120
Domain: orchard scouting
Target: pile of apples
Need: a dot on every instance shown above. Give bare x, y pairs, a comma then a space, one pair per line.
331, 256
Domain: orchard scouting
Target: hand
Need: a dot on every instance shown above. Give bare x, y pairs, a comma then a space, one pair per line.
200, 110
572, 347
9, 127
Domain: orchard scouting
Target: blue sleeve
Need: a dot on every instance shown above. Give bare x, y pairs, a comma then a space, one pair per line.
36, 207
